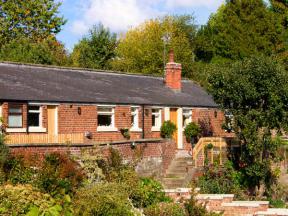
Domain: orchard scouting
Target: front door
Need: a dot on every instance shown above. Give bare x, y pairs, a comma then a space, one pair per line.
52, 123
174, 119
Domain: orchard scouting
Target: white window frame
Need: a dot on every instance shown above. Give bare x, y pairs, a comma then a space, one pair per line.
189, 114
15, 130
112, 113
37, 129
135, 114
159, 120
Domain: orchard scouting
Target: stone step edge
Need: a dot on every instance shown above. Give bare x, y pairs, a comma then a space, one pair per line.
242, 204
213, 196
273, 211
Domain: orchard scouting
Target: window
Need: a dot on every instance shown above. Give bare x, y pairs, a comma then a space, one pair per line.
187, 117
34, 116
156, 119
229, 121
15, 119
106, 119
135, 118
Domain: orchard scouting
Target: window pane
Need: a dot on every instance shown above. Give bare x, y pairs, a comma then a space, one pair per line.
132, 121
153, 120
15, 121
155, 110
36, 108
105, 120
15, 110
133, 109
104, 109
33, 119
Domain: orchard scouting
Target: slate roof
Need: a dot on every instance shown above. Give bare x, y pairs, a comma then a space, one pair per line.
51, 84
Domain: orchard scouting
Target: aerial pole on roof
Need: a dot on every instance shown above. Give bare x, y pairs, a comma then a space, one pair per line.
166, 39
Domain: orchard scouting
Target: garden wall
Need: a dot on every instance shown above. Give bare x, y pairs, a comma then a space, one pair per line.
151, 155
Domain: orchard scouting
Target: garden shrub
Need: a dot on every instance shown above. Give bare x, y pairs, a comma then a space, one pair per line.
59, 174
26, 200
195, 209
88, 160
165, 209
54, 174
192, 130
221, 180
167, 129
102, 199
18, 171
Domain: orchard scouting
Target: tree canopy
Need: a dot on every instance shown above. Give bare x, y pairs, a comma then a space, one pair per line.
96, 49
239, 29
141, 49
255, 91
33, 19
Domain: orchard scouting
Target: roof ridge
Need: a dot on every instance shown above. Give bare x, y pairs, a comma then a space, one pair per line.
87, 70
77, 69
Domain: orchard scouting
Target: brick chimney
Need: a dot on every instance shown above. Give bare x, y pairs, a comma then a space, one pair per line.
173, 73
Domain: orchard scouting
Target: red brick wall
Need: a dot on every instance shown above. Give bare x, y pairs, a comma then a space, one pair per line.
71, 122
165, 150
5, 110
211, 121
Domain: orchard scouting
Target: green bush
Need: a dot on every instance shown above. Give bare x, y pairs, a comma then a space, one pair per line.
103, 199
167, 129
221, 180
192, 130
148, 192
17, 171
165, 209
59, 174
26, 200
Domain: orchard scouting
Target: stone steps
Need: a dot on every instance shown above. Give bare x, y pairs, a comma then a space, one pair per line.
178, 171
225, 204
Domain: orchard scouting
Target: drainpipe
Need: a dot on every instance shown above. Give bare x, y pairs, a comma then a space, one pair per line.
143, 122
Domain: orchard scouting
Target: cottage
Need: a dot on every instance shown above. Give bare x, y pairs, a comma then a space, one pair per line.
53, 105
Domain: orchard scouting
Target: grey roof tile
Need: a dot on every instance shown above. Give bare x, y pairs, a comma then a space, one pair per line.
52, 84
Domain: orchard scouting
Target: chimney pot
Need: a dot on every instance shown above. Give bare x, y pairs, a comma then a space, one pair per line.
171, 55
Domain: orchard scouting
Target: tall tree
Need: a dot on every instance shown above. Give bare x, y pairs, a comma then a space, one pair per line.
255, 91
239, 29
280, 7
96, 49
47, 51
33, 19
141, 49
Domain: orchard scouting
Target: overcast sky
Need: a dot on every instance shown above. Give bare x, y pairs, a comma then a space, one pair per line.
120, 15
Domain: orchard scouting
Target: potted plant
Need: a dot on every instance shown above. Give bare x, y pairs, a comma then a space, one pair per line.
167, 129
125, 132
191, 131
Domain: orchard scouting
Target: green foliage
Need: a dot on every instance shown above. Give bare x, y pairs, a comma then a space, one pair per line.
125, 132
59, 174
221, 180
168, 128
193, 208
255, 91
96, 49
33, 19
148, 192
192, 130
26, 200
165, 209
89, 162
239, 29
102, 199
48, 51
141, 49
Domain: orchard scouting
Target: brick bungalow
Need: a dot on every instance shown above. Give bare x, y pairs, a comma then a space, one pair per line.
53, 105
